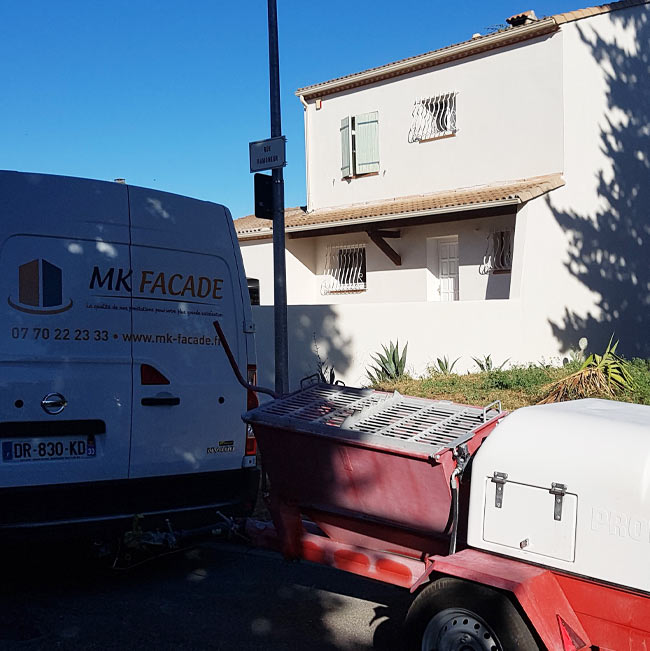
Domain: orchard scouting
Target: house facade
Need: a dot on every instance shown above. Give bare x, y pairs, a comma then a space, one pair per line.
490, 197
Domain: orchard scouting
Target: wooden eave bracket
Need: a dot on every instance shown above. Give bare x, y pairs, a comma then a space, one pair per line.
379, 238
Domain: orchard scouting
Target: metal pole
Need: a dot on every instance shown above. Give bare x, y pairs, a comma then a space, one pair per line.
279, 261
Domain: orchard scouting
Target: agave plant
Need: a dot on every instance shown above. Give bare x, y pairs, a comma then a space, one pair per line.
389, 365
485, 364
442, 366
326, 373
606, 374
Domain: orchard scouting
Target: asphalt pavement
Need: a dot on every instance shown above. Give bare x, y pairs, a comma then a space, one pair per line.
213, 596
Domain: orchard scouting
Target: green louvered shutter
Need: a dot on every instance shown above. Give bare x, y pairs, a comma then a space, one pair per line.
345, 148
366, 133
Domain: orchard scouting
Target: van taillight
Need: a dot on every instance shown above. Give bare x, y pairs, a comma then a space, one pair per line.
251, 402
151, 375
251, 442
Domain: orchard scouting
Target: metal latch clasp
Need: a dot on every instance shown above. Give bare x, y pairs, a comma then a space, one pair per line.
559, 490
499, 478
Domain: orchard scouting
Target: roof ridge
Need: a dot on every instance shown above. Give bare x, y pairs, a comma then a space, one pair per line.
478, 42
595, 10
455, 51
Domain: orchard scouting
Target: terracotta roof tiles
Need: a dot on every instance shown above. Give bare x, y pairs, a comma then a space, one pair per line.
521, 18
578, 14
511, 192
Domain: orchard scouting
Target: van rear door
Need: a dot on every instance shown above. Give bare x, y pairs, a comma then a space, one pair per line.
186, 402
65, 381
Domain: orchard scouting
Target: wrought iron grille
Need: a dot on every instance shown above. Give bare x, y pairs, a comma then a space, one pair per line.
433, 117
345, 269
498, 254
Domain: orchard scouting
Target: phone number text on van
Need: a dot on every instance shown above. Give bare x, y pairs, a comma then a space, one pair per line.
84, 334
60, 334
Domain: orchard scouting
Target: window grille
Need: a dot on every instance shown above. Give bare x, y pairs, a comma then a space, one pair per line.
345, 269
498, 254
433, 117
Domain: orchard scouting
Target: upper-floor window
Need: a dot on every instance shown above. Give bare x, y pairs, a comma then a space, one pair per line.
345, 269
360, 144
433, 117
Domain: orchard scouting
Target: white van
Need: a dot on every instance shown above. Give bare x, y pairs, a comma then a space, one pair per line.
115, 396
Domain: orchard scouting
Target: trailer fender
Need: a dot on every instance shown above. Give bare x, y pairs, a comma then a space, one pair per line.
534, 588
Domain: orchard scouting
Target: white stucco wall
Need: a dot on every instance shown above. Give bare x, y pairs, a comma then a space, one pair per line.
385, 281
580, 264
585, 267
347, 335
302, 285
509, 115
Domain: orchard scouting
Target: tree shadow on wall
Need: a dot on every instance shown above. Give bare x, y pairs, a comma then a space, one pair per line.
313, 334
610, 251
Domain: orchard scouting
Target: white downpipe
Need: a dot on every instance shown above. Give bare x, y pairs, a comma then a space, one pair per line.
306, 108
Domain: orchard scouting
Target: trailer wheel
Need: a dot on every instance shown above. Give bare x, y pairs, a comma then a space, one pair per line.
455, 615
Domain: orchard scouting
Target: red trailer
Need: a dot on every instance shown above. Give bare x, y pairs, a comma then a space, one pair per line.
515, 532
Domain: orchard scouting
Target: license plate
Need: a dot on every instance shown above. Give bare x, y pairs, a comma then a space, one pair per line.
48, 449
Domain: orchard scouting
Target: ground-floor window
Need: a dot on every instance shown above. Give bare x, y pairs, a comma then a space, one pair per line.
498, 253
345, 269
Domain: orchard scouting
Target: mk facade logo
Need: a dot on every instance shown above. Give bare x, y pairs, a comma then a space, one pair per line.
40, 289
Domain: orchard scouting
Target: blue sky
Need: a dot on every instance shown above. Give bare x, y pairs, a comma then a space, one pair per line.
168, 94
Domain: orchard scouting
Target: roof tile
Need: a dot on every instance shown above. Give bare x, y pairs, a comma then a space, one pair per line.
297, 219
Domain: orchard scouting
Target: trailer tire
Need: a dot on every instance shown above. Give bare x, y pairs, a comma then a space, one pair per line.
451, 614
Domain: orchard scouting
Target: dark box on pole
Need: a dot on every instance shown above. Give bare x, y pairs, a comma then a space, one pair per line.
263, 196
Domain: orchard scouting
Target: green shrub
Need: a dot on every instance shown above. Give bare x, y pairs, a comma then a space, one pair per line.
640, 372
517, 377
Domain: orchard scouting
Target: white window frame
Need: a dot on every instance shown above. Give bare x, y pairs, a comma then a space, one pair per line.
345, 269
360, 144
434, 117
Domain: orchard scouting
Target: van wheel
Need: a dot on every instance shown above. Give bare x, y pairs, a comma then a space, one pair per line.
451, 614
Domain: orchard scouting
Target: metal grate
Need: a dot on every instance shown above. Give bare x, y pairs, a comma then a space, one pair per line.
345, 269
498, 255
390, 420
433, 117
325, 405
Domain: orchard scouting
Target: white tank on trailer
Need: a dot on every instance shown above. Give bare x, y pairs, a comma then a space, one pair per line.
568, 486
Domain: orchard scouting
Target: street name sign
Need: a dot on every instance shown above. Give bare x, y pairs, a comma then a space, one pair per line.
267, 154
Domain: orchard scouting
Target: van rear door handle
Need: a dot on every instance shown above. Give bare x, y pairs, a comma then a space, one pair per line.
165, 401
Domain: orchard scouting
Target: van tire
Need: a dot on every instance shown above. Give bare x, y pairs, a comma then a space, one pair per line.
450, 612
